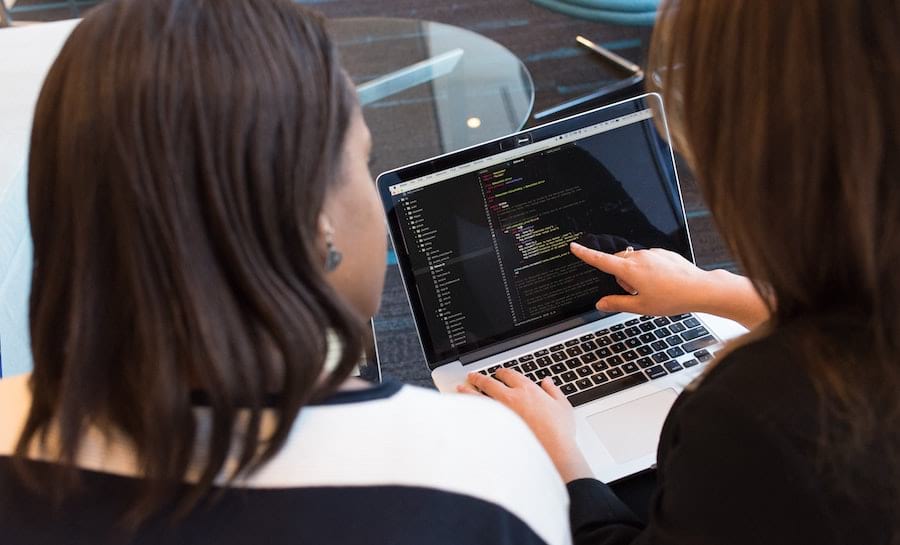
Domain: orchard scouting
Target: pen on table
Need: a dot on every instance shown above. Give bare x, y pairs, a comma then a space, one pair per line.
609, 55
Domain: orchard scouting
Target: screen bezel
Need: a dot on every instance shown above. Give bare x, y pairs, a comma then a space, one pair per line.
488, 149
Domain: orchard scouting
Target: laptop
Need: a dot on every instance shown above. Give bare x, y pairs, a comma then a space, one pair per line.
482, 241
369, 366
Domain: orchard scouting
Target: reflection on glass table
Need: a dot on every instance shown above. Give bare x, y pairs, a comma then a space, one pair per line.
429, 88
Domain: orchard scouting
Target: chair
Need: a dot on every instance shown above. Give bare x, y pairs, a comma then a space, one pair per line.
617, 12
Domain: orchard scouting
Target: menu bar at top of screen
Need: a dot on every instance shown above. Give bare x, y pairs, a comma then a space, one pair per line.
549, 143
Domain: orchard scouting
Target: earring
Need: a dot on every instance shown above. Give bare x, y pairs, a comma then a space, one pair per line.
334, 257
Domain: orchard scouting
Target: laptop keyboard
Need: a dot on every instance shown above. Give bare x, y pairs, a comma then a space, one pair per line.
610, 360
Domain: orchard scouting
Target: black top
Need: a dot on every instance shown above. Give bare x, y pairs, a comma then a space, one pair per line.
737, 464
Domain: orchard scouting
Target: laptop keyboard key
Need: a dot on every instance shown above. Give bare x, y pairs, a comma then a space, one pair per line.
630, 367
633, 321
691, 322
599, 366
574, 351
660, 357
633, 342
606, 389
589, 357
508, 364
691, 363
632, 331
614, 360
655, 372
603, 341
542, 373
603, 353
558, 356
645, 363
677, 328
558, 368
543, 361
573, 363
662, 333
644, 350
584, 383
531, 377
617, 348
493, 369
568, 389
674, 340
647, 338
618, 336
526, 357
529, 366
675, 352
569, 376
703, 355
600, 378
659, 345
542, 352
697, 344
630, 355
615, 372
588, 345
679, 317
587, 337
572, 342
617, 327
672, 366
556, 348
558, 381
661, 321
692, 334
584, 371
647, 326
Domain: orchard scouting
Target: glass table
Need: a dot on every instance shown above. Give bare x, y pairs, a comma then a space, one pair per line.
429, 88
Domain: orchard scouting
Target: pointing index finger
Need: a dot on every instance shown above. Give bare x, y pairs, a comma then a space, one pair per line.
607, 263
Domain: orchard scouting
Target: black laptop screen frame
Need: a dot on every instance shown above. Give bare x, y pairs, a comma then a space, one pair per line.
664, 159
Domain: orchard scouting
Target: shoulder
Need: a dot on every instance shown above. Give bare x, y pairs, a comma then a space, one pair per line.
452, 443
15, 401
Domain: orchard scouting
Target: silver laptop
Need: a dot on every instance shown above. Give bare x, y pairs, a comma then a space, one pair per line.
482, 240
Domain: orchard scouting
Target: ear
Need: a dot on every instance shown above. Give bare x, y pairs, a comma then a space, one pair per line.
325, 230
324, 227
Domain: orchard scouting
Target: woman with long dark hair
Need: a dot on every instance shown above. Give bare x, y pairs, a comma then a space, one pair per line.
788, 113
208, 247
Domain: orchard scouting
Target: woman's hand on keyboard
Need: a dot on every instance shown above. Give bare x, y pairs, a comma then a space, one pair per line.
544, 408
665, 283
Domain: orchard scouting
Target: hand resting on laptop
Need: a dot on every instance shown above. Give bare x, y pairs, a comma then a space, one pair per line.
666, 283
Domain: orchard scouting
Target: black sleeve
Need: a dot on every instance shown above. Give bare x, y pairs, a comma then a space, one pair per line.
726, 479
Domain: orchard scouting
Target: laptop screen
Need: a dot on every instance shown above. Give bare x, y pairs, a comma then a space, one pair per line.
482, 236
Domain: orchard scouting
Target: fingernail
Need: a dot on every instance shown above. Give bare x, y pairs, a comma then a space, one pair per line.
575, 246
602, 305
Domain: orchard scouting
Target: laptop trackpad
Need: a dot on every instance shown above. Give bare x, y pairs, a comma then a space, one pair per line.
632, 430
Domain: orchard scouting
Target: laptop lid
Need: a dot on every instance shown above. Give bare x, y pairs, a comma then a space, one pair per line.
482, 234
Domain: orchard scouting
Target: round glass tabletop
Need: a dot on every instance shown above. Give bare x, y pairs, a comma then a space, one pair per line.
429, 88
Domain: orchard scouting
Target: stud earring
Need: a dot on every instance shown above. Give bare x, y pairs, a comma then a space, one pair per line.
334, 257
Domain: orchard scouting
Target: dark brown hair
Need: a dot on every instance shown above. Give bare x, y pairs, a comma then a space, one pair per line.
788, 113
180, 157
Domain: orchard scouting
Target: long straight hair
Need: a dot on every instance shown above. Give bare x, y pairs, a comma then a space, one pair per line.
788, 112
180, 157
